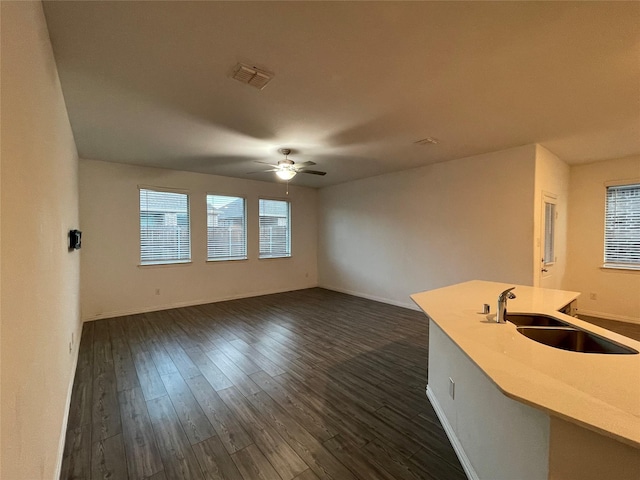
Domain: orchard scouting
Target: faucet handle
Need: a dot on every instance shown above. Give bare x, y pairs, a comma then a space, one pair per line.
507, 294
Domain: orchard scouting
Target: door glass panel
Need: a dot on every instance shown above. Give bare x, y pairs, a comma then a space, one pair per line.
549, 233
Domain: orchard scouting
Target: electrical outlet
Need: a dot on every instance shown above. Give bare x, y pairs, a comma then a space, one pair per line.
593, 296
452, 388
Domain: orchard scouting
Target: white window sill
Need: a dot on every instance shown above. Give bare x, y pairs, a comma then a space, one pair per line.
165, 264
274, 258
627, 268
235, 259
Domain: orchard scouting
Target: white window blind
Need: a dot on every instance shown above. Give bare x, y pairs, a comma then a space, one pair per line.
164, 227
226, 228
622, 227
275, 228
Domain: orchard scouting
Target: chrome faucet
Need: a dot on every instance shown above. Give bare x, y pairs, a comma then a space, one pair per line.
501, 315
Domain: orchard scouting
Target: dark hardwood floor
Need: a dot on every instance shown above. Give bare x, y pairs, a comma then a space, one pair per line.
300, 385
631, 330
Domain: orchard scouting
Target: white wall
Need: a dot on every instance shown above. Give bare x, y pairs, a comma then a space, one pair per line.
499, 438
390, 236
40, 277
551, 177
114, 284
617, 291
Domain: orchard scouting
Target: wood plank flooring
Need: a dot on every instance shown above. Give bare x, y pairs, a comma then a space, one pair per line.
303, 385
631, 330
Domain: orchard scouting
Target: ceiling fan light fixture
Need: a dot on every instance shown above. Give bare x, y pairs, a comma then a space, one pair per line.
286, 173
286, 169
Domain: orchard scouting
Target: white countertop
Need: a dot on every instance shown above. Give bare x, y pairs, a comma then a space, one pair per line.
597, 391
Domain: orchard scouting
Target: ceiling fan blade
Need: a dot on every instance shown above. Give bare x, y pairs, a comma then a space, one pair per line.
265, 163
263, 171
312, 172
305, 164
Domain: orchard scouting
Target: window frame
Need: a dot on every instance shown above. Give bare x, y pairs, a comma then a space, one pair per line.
610, 262
157, 261
244, 205
289, 230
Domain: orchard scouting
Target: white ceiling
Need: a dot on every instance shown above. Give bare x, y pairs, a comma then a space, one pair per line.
356, 83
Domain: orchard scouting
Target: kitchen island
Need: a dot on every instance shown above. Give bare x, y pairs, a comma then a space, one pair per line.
517, 409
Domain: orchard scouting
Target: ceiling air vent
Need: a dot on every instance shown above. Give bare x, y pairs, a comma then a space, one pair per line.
427, 141
251, 76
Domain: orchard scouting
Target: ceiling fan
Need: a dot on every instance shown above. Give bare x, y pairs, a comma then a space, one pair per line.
287, 169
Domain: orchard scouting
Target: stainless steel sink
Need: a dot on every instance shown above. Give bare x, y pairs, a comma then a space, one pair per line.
533, 320
574, 340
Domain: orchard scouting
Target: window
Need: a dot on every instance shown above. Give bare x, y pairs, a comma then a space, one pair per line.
164, 227
549, 233
226, 228
275, 229
622, 227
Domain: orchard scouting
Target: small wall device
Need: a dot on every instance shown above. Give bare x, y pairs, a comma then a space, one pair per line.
75, 239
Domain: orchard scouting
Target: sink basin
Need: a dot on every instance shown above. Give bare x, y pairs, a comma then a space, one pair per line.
526, 320
574, 340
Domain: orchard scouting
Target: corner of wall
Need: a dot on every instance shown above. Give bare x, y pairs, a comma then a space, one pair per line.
389, 236
40, 277
552, 177
114, 284
606, 293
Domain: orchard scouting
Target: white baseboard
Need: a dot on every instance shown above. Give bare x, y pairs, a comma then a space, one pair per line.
204, 301
457, 446
409, 305
65, 419
608, 316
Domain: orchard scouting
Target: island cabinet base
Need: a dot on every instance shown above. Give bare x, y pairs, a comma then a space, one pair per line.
575, 452
494, 436
497, 437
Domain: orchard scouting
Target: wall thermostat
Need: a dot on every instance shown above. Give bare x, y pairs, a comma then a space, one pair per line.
75, 239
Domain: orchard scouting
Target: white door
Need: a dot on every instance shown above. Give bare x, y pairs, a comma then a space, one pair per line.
548, 257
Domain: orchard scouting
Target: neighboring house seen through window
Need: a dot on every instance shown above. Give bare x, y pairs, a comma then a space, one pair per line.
226, 228
622, 227
164, 227
275, 228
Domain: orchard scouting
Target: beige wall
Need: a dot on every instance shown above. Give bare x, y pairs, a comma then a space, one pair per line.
390, 236
40, 277
617, 291
114, 284
552, 177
